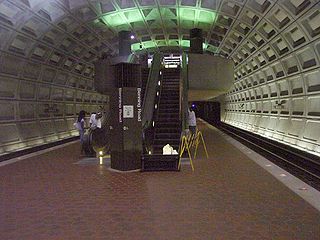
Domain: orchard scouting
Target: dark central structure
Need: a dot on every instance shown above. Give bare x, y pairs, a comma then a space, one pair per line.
125, 105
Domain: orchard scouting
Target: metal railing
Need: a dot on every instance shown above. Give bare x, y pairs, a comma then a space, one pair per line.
151, 90
184, 93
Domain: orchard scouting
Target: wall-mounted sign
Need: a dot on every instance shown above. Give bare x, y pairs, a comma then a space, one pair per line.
139, 104
127, 111
120, 105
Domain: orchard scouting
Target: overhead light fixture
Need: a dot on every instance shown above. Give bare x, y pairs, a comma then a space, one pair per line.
132, 36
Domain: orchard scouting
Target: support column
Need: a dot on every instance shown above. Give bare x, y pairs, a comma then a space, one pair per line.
126, 110
124, 43
196, 41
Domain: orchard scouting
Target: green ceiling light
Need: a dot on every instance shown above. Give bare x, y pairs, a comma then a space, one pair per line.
171, 43
168, 13
158, 18
204, 26
188, 17
161, 43
185, 43
114, 19
174, 42
169, 23
207, 17
153, 14
204, 15
133, 16
149, 44
156, 24
135, 47
187, 24
187, 14
139, 25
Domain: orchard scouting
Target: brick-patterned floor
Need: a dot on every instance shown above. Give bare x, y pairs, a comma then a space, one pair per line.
227, 197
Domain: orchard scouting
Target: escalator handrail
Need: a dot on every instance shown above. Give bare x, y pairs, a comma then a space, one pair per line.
151, 90
184, 93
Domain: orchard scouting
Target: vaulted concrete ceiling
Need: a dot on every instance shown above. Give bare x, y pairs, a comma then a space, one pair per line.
47, 50
83, 29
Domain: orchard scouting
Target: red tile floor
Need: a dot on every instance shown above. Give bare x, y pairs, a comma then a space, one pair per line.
227, 197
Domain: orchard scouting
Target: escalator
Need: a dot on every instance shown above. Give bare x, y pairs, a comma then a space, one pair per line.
167, 125
164, 123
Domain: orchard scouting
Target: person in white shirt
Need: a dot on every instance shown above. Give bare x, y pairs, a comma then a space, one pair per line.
192, 121
95, 120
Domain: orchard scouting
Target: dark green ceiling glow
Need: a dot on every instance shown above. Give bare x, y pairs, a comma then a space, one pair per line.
168, 25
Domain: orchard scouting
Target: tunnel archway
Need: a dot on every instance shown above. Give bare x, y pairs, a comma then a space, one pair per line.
48, 49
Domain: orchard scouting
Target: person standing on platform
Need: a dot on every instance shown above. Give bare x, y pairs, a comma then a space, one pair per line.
192, 121
80, 127
95, 120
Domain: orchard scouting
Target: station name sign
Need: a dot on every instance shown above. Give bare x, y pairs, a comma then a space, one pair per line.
139, 109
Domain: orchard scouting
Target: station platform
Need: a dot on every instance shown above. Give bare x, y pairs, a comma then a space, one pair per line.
228, 196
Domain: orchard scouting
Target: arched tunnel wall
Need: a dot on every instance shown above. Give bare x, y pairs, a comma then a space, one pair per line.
48, 49
277, 88
44, 80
